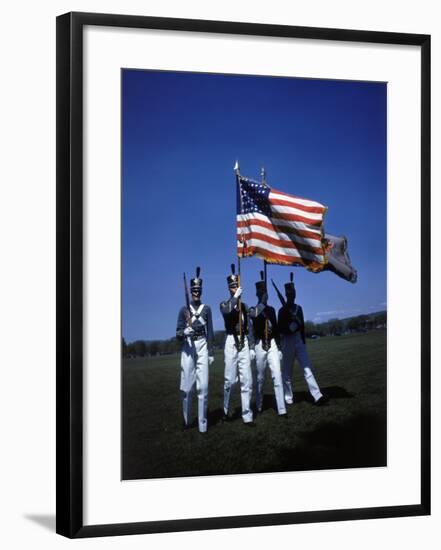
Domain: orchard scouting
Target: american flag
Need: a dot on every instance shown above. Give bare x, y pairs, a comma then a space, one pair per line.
279, 228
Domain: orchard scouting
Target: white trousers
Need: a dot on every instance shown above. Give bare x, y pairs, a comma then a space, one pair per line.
271, 359
238, 367
293, 348
194, 371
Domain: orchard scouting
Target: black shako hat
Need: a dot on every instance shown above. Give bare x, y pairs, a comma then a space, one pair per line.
196, 283
289, 287
261, 285
233, 279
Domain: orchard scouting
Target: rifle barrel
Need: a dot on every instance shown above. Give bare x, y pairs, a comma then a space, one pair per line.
187, 300
279, 294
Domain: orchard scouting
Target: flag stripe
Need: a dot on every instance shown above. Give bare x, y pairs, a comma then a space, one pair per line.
296, 217
297, 205
292, 198
290, 232
285, 226
282, 243
291, 240
263, 241
290, 211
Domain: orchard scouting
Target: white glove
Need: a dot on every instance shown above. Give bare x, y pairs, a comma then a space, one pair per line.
238, 293
280, 355
210, 360
252, 355
188, 331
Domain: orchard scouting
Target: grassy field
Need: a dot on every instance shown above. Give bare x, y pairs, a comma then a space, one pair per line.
350, 431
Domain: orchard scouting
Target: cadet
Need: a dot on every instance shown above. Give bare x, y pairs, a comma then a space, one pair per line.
292, 329
195, 331
266, 336
239, 349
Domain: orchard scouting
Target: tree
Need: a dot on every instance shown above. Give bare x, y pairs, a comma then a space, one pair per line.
353, 324
381, 319
154, 348
335, 326
140, 348
310, 329
131, 349
218, 339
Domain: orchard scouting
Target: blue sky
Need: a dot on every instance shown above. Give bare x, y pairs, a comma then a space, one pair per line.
181, 134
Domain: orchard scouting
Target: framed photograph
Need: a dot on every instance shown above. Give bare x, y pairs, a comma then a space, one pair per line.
243, 274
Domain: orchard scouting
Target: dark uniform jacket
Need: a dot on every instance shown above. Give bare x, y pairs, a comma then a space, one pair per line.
200, 329
259, 315
291, 320
230, 314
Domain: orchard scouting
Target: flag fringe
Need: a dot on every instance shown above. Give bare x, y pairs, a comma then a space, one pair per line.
313, 266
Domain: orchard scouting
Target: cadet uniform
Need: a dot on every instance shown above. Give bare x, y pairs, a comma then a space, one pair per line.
238, 343
266, 336
292, 329
195, 331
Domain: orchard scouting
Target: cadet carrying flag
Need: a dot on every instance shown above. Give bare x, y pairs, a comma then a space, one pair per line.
279, 228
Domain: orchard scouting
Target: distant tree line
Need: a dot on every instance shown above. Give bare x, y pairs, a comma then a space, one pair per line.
360, 323
149, 348
332, 327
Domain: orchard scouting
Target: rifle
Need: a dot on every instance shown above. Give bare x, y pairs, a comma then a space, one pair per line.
263, 278
187, 301
279, 294
239, 342
292, 315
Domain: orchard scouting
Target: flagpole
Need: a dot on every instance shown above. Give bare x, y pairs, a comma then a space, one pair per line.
263, 175
265, 276
237, 171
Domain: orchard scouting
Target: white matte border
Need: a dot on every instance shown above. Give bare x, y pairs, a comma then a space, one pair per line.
106, 498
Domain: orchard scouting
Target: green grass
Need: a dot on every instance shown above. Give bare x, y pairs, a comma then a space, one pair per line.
350, 431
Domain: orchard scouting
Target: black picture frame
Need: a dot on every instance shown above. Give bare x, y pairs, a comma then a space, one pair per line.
69, 294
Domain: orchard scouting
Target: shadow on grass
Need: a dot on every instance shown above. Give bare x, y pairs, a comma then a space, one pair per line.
337, 392
356, 443
214, 416
269, 402
330, 392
